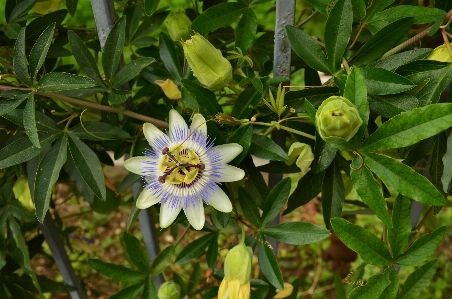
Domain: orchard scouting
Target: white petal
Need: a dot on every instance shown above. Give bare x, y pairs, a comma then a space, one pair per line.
199, 123
229, 151
220, 201
176, 120
230, 174
168, 214
195, 215
152, 133
146, 199
138, 165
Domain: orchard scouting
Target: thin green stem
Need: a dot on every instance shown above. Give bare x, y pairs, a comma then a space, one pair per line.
183, 234
345, 63
310, 17
284, 128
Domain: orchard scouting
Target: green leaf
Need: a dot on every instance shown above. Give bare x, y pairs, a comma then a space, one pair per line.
307, 49
421, 15
356, 91
308, 187
403, 179
382, 82
437, 81
71, 6
383, 41
410, 127
84, 58
18, 250
12, 30
168, 54
392, 105
265, 148
376, 7
63, 81
279, 167
194, 249
217, 16
116, 272
9, 105
132, 216
249, 207
118, 96
130, 292
29, 120
275, 201
242, 136
20, 10
323, 155
257, 83
437, 166
296, 233
149, 291
163, 260
369, 190
131, 70
150, 6
446, 177
333, 193
95, 130
245, 31
393, 288
321, 5
374, 287
113, 48
88, 165
371, 249
212, 253
38, 25
46, 176
39, 51
296, 99
22, 150
206, 99
422, 248
338, 32
359, 10
400, 232
418, 280
20, 59
392, 62
339, 286
137, 253
247, 101
254, 182
269, 266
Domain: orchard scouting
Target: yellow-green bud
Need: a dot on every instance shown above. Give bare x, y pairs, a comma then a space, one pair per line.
336, 118
169, 290
170, 89
302, 153
208, 64
22, 193
178, 25
440, 54
237, 273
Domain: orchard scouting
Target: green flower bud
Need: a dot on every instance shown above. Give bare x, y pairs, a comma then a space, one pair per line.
337, 117
169, 290
178, 25
302, 153
440, 54
208, 64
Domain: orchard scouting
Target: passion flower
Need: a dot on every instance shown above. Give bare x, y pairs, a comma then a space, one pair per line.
337, 117
183, 169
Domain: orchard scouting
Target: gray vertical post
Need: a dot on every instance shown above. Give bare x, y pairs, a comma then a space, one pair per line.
285, 13
62, 261
105, 18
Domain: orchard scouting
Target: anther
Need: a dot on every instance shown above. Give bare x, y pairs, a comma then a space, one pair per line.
201, 166
161, 179
165, 150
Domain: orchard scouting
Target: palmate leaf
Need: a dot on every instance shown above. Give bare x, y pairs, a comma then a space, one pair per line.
296, 233
56, 81
194, 249
333, 193
418, 280
246, 30
373, 288
20, 60
113, 48
131, 70
137, 253
269, 266
39, 51
168, 54
116, 272
219, 15
275, 201
400, 232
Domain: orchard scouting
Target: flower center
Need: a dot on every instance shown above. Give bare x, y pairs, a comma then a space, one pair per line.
181, 167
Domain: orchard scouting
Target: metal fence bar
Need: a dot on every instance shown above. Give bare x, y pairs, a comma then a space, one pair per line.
285, 13
52, 237
105, 18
